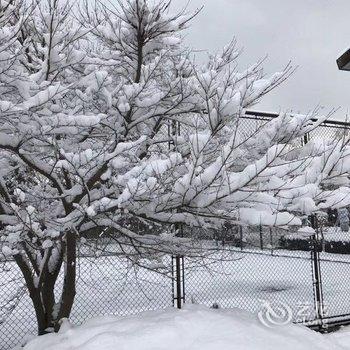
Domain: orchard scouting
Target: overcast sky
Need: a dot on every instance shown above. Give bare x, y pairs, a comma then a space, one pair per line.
310, 33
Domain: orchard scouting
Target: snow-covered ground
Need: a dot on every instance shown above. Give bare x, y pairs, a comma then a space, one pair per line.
195, 327
246, 281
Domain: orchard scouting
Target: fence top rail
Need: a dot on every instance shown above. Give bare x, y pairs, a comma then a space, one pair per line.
269, 116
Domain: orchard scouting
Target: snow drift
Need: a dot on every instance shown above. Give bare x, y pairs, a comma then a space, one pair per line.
194, 327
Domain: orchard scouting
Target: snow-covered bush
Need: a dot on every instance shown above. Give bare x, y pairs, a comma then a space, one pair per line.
87, 101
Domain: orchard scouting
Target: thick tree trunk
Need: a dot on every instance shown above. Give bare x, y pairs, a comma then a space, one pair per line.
39, 312
42, 288
68, 291
48, 300
34, 293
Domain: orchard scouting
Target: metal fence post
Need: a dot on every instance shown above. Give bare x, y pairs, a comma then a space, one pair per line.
271, 241
316, 271
178, 273
306, 138
261, 238
241, 236
178, 281
178, 264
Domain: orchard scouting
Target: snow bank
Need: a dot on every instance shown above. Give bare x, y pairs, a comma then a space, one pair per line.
341, 337
194, 327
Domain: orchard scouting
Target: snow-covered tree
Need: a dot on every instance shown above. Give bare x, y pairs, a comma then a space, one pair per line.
110, 124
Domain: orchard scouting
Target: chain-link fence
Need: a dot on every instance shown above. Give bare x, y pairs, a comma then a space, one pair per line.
256, 271
269, 271
106, 285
